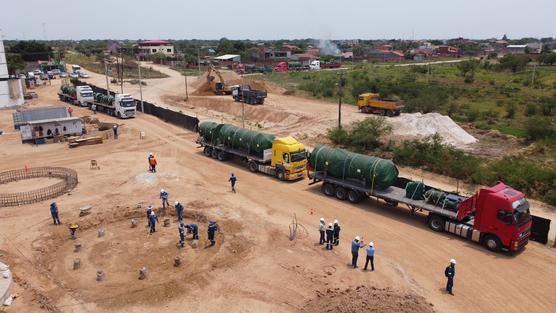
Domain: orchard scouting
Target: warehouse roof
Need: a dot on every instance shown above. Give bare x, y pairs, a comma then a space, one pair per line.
227, 57
154, 43
59, 119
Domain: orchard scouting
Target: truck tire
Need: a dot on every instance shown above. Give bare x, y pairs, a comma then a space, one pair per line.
354, 196
221, 156
214, 153
398, 112
436, 222
392, 203
341, 193
253, 167
492, 243
390, 113
207, 151
280, 175
328, 189
118, 115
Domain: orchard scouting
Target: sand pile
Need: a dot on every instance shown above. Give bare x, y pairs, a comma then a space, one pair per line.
418, 125
367, 299
202, 87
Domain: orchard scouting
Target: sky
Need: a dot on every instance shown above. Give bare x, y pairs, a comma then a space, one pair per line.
278, 19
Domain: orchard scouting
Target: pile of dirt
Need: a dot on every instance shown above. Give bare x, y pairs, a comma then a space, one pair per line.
418, 125
202, 87
366, 299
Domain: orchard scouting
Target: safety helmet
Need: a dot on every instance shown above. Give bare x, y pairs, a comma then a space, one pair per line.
161, 190
150, 153
357, 238
329, 224
322, 219
177, 202
453, 261
335, 221
372, 244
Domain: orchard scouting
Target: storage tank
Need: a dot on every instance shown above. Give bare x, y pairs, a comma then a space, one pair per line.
68, 90
230, 136
374, 172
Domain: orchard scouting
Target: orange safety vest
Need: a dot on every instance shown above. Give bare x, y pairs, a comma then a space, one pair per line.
152, 161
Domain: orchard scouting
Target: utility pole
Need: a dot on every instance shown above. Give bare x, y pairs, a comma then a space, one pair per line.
121, 72
242, 103
199, 61
341, 84
533, 76
140, 87
106, 75
185, 78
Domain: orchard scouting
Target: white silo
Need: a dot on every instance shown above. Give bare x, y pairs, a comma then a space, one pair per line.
11, 91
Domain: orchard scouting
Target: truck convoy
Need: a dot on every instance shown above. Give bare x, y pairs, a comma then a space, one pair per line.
79, 95
244, 93
285, 158
121, 105
289, 66
497, 217
373, 103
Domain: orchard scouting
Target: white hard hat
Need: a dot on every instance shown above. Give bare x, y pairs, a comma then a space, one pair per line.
161, 190
329, 224
150, 153
357, 238
335, 221
322, 219
372, 244
177, 202
453, 261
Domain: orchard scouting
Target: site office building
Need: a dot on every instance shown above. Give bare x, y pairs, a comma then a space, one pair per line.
150, 47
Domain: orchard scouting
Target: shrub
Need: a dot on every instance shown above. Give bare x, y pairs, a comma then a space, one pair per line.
540, 128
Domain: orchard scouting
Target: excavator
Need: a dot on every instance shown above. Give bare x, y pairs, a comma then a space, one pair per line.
219, 88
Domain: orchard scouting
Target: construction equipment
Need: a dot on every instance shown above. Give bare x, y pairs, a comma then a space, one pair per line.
497, 217
121, 105
244, 93
285, 158
219, 88
373, 103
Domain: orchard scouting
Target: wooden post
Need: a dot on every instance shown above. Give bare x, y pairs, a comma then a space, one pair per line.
133, 223
177, 261
77, 247
100, 275
142, 273
76, 263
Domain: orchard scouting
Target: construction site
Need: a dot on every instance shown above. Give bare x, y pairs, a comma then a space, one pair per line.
84, 147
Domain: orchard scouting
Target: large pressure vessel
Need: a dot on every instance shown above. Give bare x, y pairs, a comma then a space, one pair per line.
374, 172
230, 136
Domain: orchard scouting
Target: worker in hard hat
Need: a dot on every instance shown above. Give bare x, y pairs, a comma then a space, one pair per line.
179, 210
322, 227
370, 256
233, 180
181, 230
194, 230
73, 228
152, 222
450, 272
212, 229
329, 236
164, 196
356, 244
54, 213
152, 163
336, 233
149, 210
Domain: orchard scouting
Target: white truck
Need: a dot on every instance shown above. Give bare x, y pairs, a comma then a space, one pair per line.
314, 65
84, 95
121, 105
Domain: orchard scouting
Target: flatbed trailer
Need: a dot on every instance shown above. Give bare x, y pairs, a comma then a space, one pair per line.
67, 98
460, 222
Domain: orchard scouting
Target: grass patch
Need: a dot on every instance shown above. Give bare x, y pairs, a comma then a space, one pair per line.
517, 132
131, 71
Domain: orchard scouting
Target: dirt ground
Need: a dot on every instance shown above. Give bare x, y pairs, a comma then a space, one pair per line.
254, 267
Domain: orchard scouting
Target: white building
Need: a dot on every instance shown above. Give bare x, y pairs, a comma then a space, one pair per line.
156, 46
11, 89
229, 58
33, 131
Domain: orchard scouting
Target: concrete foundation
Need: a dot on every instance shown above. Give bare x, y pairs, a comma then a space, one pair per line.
5, 282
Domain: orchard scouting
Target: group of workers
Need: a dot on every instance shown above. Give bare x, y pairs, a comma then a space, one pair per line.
332, 234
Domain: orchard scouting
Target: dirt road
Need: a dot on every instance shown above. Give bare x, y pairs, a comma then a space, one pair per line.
254, 267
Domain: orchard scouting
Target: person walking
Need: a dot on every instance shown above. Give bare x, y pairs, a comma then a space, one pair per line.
115, 130
322, 227
232, 181
179, 211
181, 230
370, 256
164, 196
149, 210
94, 108
153, 219
194, 230
152, 163
329, 236
450, 273
70, 111
355, 246
336, 233
54, 213
212, 229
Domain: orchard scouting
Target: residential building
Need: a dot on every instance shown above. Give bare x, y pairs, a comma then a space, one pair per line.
385, 56
445, 50
149, 47
516, 49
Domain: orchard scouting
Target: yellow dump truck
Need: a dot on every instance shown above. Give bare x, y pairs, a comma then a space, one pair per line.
372, 103
284, 158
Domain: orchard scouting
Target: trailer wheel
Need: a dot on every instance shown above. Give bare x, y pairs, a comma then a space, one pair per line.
214, 153
341, 193
207, 151
390, 113
118, 115
221, 156
280, 175
392, 203
252, 166
492, 243
436, 222
328, 189
353, 196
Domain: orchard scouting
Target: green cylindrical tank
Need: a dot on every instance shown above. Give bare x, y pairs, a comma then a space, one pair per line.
374, 172
68, 89
245, 140
98, 96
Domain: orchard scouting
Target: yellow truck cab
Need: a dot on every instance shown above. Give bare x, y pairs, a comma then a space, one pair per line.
372, 103
289, 158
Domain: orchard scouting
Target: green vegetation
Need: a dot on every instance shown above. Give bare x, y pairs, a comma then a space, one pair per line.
96, 64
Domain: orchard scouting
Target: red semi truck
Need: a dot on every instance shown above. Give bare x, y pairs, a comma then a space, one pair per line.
497, 217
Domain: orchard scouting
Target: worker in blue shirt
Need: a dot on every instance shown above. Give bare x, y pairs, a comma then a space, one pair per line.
370, 256
450, 272
181, 230
337, 229
149, 210
194, 230
164, 196
179, 211
54, 213
355, 246
212, 229
233, 180
152, 222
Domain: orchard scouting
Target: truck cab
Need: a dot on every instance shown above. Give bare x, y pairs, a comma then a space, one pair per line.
75, 68
501, 217
289, 158
281, 67
314, 65
84, 95
124, 105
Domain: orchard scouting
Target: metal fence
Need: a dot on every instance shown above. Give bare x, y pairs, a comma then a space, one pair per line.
68, 176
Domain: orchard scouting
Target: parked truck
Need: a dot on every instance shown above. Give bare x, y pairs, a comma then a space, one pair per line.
244, 93
290, 66
497, 217
373, 103
78, 95
121, 105
285, 158
317, 65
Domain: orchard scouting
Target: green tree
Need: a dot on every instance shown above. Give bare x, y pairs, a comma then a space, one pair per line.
515, 63
468, 67
32, 50
366, 134
15, 63
539, 128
